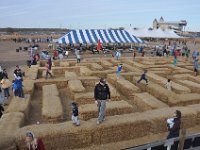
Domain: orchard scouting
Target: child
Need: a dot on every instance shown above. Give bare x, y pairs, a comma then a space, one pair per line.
168, 85
119, 69
170, 122
143, 77
75, 118
47, 70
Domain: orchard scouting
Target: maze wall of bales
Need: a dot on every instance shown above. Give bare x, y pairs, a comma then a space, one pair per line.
134, 111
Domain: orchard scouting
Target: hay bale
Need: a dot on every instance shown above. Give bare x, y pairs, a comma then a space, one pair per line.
89, 111
9, 124
102, 74
50, 90
76, 86
188, 99
121, 128
106, 64
161, 93
179, 70
70, 75
64, 64
195, 87
85, 71
126, 87
89, 80
20, 105
196, 108
145, 101
162, 81
28, 86
58, 136
159, 117
52, 108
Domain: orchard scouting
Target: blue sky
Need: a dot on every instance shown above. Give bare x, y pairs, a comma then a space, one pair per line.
97, 13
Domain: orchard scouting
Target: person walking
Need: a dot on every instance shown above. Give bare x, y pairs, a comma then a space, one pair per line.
174, 125
196, 66
119, 69
33, 143
47, 70
143, 77
101, 95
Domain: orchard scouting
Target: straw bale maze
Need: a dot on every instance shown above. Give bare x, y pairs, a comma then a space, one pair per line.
135, 114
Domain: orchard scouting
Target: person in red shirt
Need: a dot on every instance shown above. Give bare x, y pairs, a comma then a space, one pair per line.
33, 143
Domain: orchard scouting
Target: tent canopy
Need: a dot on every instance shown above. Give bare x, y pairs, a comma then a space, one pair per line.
153, 33
92, 36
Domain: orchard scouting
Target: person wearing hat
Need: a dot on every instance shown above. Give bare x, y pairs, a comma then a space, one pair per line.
33, 143
101, 95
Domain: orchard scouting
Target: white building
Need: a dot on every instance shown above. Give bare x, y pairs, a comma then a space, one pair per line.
176, 25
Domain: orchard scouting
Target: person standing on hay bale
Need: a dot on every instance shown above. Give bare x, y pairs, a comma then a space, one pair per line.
33, 143
174, 125
143, 77
75, 118
101, 94
119, 69
196, 66
1, 110
168, 85
47, 70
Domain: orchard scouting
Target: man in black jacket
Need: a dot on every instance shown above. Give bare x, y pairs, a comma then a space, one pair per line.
101, 95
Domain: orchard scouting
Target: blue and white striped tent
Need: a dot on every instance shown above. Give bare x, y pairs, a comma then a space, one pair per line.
92, 37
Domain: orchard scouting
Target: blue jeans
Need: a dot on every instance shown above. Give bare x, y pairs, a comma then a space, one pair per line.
6, 92
101, 109
20, 92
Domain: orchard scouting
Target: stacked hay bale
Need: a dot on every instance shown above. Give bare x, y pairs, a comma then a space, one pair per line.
114, 129
89, 111
187, 99
123, 85
28, 86
20, 105
70, 75
145, 101
166, 96
75, 86
195, 87
106, 64
9, 123
159, 117
64, 64
52, 110
31, 73
85, 71
162, 81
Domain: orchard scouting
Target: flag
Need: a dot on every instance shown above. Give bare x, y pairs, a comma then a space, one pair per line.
99, 45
